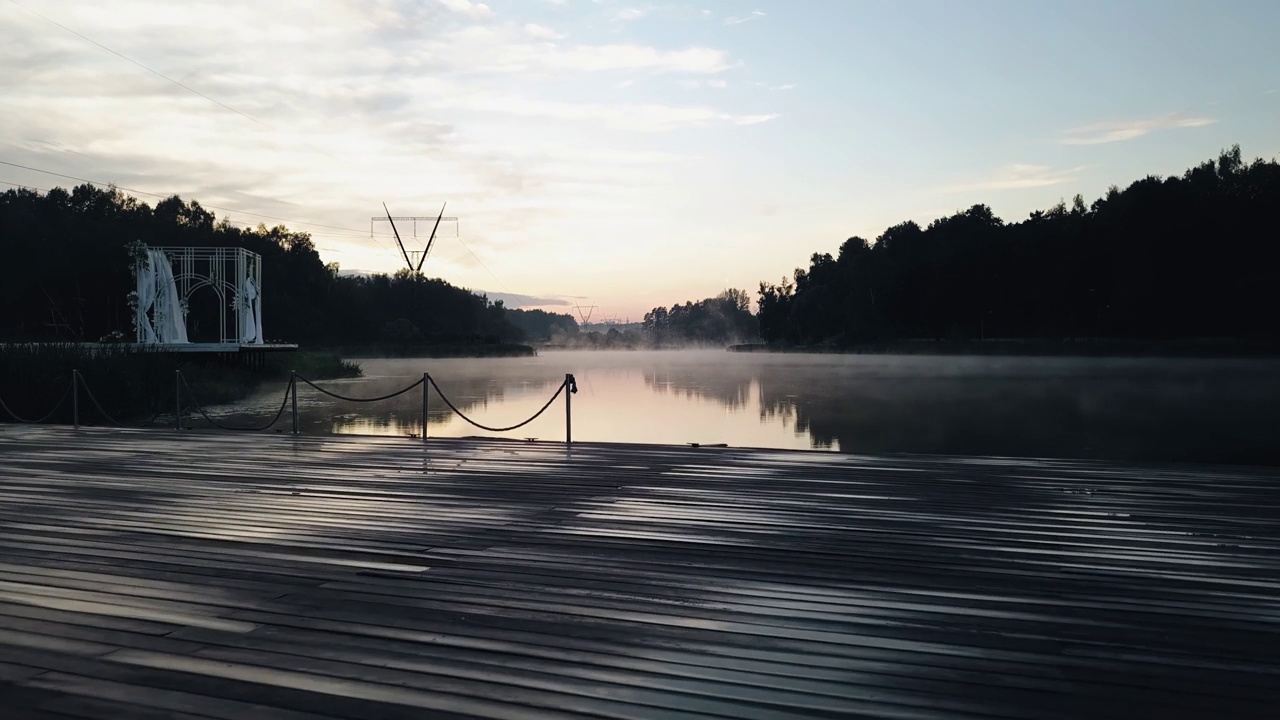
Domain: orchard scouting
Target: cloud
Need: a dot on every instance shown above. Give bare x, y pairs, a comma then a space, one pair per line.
1017, 177
739, 19
358, 102
542, 32
630, 14
752, 119
483, 49
1119, 131
516, 300
649, 117
473, 10
715, 83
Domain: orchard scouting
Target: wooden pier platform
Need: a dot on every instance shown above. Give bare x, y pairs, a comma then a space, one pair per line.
149, 574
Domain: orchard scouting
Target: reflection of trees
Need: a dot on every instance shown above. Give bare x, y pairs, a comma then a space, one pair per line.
731, 389
1126, 410
1152, 410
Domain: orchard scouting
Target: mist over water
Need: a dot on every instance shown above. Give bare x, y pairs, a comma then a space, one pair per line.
1107, 408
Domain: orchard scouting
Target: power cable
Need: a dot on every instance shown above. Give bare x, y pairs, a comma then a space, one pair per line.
153, 71
353, 231
486, 267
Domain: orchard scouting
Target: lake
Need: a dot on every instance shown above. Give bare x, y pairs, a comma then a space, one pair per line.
1107, 408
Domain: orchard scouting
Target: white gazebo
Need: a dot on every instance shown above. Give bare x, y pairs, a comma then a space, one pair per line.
168, 276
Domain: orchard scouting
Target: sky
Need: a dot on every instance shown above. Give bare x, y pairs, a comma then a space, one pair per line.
626, 154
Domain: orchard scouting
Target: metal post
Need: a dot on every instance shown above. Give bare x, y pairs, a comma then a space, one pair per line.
568, 410
426, 381
177, 399
293, 390
75, 398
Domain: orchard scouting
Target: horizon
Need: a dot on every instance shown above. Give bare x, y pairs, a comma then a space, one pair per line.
610, 153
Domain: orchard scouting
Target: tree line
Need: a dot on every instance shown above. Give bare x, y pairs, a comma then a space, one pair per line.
722, 320
66, 276
1190, 256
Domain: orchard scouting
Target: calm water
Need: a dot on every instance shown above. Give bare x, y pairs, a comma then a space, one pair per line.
1127, 409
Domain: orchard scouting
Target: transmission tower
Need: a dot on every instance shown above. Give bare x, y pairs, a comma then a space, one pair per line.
440, 225
586, 319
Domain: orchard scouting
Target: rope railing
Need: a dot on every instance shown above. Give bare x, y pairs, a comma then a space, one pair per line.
517, 426
380, 398
288, 391
77, 378
18, 418
426, 383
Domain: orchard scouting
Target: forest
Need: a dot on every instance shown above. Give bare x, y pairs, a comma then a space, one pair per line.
721, 320
1192, 256
1186, 257
67, 267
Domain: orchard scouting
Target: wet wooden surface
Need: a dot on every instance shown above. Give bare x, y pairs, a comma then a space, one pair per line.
149, 574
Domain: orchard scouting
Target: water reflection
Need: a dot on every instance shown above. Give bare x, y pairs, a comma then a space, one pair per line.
1126, 409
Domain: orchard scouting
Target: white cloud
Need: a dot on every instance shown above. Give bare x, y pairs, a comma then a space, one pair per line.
753, 119
714, 83
1017, 177
738, 20
1118, 131
629, 14
473, 10
359, 102
485, 49
542, 32
648, 117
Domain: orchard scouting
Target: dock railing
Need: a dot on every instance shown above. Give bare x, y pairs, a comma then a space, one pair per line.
181, 387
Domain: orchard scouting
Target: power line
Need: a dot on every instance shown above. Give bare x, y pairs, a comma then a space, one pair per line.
122, 56
161, 75
355, 232
23, 187
486, 267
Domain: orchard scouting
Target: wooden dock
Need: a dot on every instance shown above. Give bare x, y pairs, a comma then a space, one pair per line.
148, 575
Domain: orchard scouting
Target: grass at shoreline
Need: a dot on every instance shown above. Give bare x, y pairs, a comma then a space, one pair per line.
134, 386
313, 365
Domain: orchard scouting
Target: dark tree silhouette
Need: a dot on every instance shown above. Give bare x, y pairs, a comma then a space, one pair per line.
1175, 258
720, 320
66, 276
542, 325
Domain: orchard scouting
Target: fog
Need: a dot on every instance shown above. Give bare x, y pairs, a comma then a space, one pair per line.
1192, 410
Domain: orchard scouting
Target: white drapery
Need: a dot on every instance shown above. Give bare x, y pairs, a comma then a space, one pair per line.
250, 312
160, 315
146, 299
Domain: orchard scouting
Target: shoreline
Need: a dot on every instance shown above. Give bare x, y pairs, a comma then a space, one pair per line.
444, 350
1034, 348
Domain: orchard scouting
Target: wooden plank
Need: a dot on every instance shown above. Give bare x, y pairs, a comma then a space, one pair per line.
357, 577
